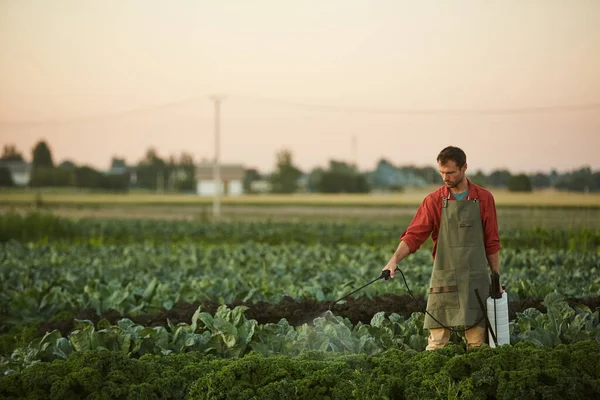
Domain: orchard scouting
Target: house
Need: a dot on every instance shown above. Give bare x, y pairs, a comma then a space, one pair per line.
232, 178
19, 170
119, 167
389, 177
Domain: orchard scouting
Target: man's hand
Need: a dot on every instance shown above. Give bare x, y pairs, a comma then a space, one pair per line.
391, 266
401, 252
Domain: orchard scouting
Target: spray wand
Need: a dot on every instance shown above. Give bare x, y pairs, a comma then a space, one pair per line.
386, 275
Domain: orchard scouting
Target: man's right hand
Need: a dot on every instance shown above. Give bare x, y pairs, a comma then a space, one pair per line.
401, 252
391, 266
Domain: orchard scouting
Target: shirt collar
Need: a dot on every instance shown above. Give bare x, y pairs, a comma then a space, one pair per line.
472, 191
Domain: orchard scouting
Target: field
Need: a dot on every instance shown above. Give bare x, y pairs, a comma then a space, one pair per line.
411, 197
545, 209
147, 296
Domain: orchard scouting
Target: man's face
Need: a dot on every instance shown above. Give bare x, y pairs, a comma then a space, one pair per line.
451, 174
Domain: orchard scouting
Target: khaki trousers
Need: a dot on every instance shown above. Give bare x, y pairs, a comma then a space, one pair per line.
439, 337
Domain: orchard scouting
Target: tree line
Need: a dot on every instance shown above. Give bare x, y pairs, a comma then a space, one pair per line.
178, 174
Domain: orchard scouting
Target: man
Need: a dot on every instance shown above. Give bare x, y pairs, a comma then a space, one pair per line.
461, 219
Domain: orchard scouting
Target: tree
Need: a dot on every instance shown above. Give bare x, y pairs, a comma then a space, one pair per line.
480, 179
10, 153
67, 164
6, 179
499, 178
341, 178
188, 183
250, 175
314, 179
49, 176
42, 157
554, 177
285, 177
540, 181
151, 171
430, 174
43, 172
519, 183
581, 180
596, 181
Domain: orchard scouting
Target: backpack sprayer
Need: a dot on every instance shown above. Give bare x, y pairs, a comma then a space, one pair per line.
497, 312
497, 308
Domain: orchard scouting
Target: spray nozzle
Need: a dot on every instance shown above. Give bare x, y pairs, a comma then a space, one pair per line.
495, 286
386, 274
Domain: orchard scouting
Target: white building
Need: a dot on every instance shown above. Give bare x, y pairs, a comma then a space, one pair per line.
232, 178
19, 170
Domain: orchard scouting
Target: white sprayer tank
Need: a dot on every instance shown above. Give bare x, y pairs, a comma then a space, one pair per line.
497, 311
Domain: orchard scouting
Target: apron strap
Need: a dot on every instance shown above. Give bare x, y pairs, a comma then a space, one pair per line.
443, 289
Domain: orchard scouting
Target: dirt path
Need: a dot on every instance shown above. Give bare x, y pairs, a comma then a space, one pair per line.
184, 212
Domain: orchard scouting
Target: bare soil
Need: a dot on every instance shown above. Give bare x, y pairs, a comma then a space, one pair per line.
296, 312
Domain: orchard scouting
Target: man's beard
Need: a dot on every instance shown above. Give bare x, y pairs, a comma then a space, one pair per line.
455, 184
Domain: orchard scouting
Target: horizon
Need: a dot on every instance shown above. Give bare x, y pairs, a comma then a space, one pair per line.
470, 171
515, 84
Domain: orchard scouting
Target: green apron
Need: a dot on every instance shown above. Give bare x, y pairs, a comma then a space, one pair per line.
459, 268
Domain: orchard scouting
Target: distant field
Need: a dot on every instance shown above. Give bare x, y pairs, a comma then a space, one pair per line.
410, 198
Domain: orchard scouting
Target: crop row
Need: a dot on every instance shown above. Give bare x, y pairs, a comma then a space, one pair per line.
511, 372
40, 281
37, 227
228, 333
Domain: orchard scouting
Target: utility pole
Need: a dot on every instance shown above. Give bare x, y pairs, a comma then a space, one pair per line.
354, 159
216, 167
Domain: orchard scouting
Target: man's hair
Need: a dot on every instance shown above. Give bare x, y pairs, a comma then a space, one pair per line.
452, 153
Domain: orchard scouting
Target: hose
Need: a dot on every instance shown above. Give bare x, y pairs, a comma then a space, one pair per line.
387, 273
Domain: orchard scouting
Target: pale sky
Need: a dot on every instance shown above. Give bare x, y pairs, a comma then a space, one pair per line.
404, 78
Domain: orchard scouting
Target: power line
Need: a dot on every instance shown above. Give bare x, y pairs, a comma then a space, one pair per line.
313, 106
431, 111
103, 116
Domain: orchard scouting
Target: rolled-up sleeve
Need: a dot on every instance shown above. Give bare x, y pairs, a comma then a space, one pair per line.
420, 227
490, 226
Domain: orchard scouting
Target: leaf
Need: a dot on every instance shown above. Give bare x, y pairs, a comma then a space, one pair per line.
378, 319
251, 293
195, 318
208, 321
51, 337
542, 337
238, 315
80, 340
190, 340
150, 289
103, 324
395, 318
125, 324
82, 323
552, 299
230, 340
63, 348
125, 343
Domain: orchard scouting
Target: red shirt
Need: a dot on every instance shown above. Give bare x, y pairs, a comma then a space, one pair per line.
427, 219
